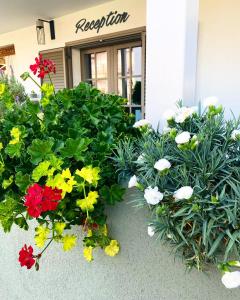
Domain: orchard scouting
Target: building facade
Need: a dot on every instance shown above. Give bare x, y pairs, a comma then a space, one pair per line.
153, 52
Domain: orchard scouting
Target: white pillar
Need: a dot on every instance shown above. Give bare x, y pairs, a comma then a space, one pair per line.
172, 33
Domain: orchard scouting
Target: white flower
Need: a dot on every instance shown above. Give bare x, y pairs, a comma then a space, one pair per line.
151, 231
169, 236
169, 114
235, 134
132, 182
231, 280
210, 101
141, 158
142, 123
183, 113
184, 192
183, 137
162, 164
152, 195
166, 130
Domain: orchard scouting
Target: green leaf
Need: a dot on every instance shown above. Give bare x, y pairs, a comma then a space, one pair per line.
75, 148
7, 182
40, 150
112, 194
8, 208
216, 244
22, 223
41, 170
23, 181
13, 150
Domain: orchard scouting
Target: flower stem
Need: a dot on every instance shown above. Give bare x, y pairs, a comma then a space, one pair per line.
51, 83
47, 246
35, 81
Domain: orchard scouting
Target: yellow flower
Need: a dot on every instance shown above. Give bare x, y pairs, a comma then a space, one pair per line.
69, 241
59, 227
47, 89
66, 174
87, 203
90, 174
2, 88
89, 234
39, 241
87, 253
15, 134
112, 249
64, 182
41, 236
1, 146
41, 230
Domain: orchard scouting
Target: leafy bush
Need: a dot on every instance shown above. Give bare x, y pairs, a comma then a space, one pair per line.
55, 165
16, 89
189, 178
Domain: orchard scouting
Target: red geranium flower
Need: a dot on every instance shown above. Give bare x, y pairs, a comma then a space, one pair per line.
51, 198
26, 257
43, 66
40, 199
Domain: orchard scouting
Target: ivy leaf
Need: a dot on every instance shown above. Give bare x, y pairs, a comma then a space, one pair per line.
40, 150
75, 148
41, 170
112, 194
7, 182
22, 181
13, 150
22, 223
8, 208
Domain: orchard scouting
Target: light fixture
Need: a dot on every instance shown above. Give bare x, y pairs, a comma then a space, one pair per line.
41, 33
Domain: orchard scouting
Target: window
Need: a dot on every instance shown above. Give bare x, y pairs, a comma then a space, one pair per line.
117, 69
58, 79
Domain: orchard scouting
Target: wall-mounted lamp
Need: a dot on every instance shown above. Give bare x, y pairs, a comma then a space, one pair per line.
41, 33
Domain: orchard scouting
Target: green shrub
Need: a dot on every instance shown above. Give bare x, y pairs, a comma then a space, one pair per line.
60, 150
16, 89
190, 182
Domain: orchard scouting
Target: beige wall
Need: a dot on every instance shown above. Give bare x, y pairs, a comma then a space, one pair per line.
219, 52
25, 40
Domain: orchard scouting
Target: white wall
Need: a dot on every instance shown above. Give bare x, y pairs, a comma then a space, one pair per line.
219, 52
26, 43
171, 55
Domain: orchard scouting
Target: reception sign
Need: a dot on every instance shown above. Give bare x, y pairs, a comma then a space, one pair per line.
112, 18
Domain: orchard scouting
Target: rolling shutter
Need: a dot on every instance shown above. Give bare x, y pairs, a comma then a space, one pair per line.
58, 79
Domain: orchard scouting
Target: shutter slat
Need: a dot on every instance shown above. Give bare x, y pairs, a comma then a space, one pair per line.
58, 78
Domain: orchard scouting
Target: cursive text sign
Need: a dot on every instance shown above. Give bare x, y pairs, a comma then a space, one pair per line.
111, 19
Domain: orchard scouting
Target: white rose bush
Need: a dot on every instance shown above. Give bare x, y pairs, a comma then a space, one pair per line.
189, 178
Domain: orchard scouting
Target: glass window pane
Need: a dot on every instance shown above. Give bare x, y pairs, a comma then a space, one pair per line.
137, 61
124, 88
102, 85
137, 111
101, 59
123, 62
89, 60
136, 91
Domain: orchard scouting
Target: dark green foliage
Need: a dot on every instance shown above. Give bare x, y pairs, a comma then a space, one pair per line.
79, 127
205, 228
